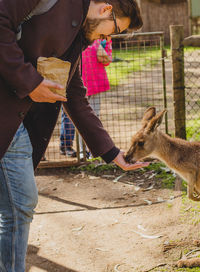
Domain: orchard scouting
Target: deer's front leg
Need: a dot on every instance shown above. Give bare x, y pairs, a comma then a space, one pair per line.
191, 191
197, 184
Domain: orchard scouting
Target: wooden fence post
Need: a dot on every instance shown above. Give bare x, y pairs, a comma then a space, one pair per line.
177, 51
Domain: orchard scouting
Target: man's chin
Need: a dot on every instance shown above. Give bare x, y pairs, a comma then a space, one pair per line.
89, 40
89, 29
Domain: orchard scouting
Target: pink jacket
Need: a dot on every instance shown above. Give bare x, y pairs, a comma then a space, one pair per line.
93, 72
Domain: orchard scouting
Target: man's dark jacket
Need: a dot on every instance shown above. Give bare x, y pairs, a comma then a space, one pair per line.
55, 33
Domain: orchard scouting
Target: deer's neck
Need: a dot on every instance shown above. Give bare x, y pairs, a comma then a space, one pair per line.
167, 148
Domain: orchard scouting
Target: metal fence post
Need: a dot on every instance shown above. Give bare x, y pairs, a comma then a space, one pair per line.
163, 55
177, 51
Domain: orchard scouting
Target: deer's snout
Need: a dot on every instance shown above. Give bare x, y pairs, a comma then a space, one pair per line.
129, 157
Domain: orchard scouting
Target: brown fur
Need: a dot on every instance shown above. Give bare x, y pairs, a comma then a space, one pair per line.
180, 155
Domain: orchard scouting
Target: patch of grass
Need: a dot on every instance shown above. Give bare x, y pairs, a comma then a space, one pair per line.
164, 174
160, 270
129, 61
169, 205
190, 211
191, 48
134, 60
194, 269
95, 168
156, 167
192, 127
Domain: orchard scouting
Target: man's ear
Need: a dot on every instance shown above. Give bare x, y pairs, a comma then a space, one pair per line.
105, 8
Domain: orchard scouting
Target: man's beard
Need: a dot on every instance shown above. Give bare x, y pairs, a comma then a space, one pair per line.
88, 28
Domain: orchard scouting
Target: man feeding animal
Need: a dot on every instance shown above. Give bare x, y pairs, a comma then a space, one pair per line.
30, 29
181, 156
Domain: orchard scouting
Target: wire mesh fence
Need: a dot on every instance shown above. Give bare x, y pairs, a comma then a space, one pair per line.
136, 78
185, 77
136, 82
192, 92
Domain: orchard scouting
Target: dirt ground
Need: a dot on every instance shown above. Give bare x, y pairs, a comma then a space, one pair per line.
108, 223
85, 223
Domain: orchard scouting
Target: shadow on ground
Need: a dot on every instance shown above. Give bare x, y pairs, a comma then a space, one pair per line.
34, 260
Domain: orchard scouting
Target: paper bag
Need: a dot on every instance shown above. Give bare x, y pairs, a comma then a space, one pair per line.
55, 70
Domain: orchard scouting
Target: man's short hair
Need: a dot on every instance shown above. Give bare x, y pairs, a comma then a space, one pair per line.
126, 8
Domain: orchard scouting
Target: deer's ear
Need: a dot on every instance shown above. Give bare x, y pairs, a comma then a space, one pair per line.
148, 115
155, 122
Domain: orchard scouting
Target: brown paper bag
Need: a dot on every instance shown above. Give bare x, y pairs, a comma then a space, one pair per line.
55, 70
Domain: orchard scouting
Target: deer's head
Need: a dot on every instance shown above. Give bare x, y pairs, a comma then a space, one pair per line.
144, 142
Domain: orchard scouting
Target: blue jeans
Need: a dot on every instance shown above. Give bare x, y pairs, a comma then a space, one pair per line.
18, 198
67, 131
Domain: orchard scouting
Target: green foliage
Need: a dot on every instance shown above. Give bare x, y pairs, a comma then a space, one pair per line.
190, 210
160, 270
156, 167
191, 48
194, 269
164, 174
129, 61
192, 127
169, 205
94, 168
137, 59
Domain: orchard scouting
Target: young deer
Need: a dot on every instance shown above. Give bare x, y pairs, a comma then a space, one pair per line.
181, 156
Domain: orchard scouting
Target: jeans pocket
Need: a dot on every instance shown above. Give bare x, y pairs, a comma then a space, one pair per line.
21, 145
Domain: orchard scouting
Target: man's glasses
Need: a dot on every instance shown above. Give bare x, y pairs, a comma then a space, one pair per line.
117, 31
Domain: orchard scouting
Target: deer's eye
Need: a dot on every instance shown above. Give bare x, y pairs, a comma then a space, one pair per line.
141, 144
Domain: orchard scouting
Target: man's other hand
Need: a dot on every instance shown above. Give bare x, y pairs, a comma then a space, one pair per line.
120, 161
43, 93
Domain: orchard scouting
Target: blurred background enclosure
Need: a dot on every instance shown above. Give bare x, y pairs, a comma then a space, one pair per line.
142, 74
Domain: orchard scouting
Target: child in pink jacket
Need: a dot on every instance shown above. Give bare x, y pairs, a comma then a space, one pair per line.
94, 73
96, 81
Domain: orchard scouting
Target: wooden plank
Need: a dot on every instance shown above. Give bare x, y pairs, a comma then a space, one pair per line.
193, 40
58, 163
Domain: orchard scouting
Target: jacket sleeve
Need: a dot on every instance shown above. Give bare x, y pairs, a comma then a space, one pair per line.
20, 76
85, 120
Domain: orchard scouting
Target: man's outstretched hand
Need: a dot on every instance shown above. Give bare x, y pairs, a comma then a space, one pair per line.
120, 161
43, 93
